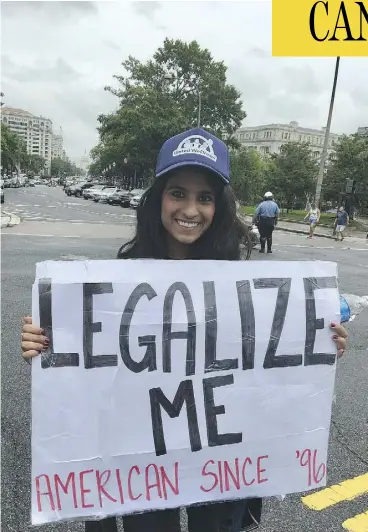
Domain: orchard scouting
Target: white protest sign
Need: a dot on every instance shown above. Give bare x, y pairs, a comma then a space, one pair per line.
169, 383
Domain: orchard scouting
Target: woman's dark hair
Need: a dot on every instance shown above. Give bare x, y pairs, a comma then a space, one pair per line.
221, 241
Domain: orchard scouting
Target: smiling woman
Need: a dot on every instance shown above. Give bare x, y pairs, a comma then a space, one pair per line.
188, 207
189, 212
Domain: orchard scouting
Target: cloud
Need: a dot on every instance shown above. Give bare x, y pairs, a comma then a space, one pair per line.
111, 45
59, 72
147, 9
58, 56
59, 10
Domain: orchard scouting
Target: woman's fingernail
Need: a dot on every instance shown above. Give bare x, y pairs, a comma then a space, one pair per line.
335, 337
42, 331
333, 324
46, 341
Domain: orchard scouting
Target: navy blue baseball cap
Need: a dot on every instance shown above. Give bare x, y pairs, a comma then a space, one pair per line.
195, 147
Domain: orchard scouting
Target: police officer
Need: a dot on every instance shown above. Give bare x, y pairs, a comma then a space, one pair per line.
265, 217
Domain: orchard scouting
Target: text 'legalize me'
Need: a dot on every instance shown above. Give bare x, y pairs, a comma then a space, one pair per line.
185, 391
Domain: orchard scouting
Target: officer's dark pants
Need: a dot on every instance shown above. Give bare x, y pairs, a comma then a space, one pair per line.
218, 517
266, 227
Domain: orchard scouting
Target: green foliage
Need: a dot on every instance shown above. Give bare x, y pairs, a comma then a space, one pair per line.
35, 163
13, 150
64, 167
159, 98
14, 154
292, 174
248, 171
349, 161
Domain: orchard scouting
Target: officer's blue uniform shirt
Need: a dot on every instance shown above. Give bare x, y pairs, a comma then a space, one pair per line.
267, 209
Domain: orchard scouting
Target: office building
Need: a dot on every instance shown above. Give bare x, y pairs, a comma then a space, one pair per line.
57, 151
269, 138
36, 131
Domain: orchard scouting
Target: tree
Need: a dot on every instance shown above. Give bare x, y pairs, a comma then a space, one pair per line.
61, 167
13, 150
35, 163
248, 170
159, 98
348, 161
292, 174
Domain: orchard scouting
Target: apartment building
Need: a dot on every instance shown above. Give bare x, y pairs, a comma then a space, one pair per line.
36, 131
363, 130
269, 138
57, 150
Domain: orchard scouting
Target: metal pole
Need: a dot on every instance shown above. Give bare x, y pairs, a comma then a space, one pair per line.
327, 135
199, 107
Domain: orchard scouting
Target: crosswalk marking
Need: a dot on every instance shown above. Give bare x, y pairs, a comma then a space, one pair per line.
346, 491
359, 523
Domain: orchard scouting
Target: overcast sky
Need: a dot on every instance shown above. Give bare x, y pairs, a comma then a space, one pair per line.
56, 58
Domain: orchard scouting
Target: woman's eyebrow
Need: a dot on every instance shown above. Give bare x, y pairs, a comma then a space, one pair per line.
177, 187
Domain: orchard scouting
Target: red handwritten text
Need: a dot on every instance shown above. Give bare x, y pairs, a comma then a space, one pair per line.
92, 488
225, 476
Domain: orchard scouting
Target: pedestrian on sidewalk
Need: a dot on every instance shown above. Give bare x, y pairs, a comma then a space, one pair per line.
266, 217
314, 215
342, 220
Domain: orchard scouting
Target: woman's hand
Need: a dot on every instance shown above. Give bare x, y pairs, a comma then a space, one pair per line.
33, 339
339, 337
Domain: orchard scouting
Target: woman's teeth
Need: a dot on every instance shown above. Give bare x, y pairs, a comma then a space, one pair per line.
189, 225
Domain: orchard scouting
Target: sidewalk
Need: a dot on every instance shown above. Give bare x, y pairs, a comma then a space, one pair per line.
9, 219
324, 232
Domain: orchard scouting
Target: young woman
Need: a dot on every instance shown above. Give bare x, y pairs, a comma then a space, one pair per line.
314, 216
188, 213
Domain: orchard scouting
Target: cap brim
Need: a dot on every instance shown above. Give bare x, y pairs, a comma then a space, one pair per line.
193, 163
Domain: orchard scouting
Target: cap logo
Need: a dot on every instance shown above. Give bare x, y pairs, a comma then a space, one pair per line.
197, 145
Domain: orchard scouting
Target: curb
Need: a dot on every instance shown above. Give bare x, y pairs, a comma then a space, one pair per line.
11, 219
300, 232
296, 231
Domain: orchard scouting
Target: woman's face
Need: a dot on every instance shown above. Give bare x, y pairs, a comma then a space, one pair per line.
188, 208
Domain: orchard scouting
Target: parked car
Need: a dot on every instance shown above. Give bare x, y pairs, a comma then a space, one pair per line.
88, 193
136, 196
77, 189
104, 194
120, 197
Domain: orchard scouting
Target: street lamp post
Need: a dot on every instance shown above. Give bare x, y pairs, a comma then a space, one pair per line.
321, 172
169, 77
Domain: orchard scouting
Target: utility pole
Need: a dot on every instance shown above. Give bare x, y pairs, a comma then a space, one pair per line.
327, 136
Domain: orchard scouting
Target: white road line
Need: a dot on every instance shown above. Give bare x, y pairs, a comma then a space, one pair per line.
321, 247
36, 234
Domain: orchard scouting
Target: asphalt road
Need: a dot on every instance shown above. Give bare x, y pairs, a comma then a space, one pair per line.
33, 241
50, 204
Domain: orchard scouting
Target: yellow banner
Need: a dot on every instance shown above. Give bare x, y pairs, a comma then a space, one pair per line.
319, 28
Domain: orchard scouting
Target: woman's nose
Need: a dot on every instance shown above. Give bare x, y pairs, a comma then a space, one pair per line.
190, 209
